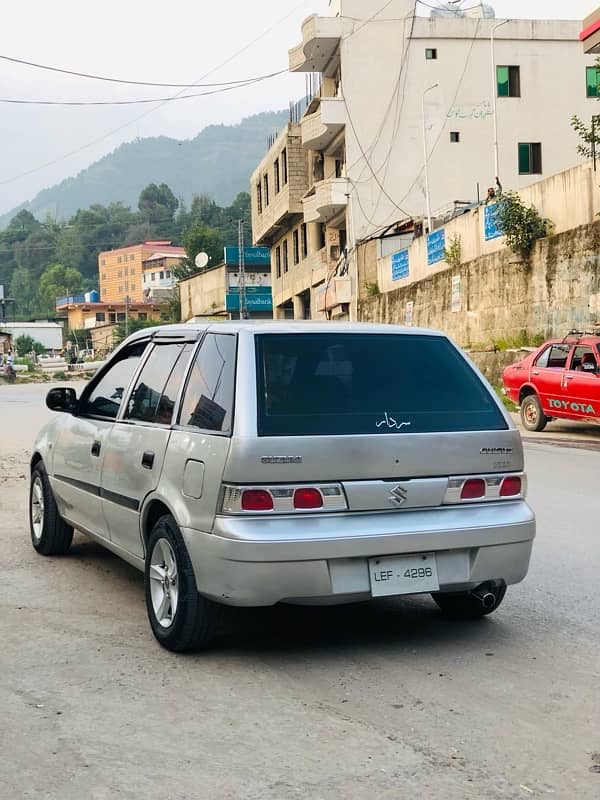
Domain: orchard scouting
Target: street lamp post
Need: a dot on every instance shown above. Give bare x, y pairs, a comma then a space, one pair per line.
426, 154
495, 97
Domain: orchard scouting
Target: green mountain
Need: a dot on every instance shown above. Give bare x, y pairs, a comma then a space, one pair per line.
218, 162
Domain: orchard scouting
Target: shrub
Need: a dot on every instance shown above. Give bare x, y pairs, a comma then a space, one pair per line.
522, 226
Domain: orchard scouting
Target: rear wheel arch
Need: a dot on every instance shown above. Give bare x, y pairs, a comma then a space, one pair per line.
525, 391
35, 460
151, 513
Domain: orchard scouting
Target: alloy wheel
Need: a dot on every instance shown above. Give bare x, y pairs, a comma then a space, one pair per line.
37, 508
164, 583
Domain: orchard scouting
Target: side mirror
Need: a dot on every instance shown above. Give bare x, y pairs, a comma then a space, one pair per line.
62, 399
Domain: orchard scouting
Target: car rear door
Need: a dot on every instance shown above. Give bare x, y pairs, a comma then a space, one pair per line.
547, 375
581, 388
136, 445
79, 451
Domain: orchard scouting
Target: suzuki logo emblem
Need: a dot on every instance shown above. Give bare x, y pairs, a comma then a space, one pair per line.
398, 496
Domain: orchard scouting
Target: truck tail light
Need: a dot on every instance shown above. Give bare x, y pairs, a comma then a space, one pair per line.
291, 499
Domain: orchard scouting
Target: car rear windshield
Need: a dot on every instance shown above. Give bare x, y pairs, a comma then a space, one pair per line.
357, 383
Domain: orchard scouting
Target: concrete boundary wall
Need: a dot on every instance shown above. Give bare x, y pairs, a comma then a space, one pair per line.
494, 297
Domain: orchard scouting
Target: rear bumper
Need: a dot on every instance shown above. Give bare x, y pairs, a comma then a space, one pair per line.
324, 558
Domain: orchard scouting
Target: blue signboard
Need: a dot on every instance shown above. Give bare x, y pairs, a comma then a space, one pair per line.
490, 223
255, 256
436, 245
400, 265
258, 298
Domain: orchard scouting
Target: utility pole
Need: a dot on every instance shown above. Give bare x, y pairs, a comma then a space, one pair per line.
426, 154
242, 271
126, 315
495, 97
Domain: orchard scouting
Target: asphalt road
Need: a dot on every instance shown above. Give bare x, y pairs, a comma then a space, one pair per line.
386, 700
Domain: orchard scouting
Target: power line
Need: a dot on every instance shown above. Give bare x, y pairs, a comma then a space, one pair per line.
249, 82
122, 80
112, 132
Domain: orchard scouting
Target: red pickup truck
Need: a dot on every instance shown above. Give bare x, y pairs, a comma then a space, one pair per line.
561, 380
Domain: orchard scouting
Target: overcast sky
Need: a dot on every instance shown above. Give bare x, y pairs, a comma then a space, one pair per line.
176, 41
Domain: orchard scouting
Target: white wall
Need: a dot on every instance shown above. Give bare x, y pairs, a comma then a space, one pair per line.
384, 105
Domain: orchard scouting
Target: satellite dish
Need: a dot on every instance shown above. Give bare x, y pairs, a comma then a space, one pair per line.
201, 260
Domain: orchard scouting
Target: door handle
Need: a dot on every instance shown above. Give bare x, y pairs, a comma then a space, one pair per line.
569, 377
148, 460
96, 447
535, 372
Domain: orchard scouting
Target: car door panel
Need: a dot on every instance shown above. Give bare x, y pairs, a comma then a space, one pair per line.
77, 473
547, 375
581, 389
127, 480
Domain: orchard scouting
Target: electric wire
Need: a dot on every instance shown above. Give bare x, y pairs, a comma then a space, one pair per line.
122, 80
250, 82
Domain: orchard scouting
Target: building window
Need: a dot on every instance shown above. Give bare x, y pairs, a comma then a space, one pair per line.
112, 318
286, 261
276, 173
103, 262
455, 137
509, 81
266, 190
142, 316
132, 257
153, 276
592, 78
145, 278
100, 316
296, 245
304, 240
126, 271
284, 166
119, 259
126, 286
431, 54
168, 273
278, 262
259, 204
104, 276
120, 290
121, 317
162, 276
132, 271
530, 158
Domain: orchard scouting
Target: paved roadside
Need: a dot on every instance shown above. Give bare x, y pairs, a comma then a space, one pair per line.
580, 435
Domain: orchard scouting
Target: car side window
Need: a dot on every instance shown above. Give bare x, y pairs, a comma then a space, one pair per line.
584, 360
154, 395
105, 397
558, 355
542, 360
209, 394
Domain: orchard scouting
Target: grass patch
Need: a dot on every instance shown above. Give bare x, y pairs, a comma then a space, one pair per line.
507, 402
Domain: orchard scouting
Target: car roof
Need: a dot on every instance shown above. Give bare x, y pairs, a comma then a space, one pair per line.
573, 338
251, 327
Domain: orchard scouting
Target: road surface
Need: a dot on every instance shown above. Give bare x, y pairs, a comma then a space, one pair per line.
380, 701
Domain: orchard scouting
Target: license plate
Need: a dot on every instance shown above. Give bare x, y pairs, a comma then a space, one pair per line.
403, 575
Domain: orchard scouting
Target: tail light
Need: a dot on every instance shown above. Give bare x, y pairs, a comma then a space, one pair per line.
283, 499
473, 489
256, 500
485, 488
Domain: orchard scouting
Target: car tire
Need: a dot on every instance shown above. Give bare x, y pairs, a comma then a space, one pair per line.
532, 416
465, 605
180, 618
50, 534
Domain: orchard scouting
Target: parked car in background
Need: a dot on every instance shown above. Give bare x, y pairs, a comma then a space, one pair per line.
251, 464
561, 380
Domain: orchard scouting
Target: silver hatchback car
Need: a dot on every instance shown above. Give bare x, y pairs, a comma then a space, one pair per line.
247, 464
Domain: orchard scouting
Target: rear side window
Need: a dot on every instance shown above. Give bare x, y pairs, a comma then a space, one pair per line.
345, 384
157, 386
555, 357
208, 398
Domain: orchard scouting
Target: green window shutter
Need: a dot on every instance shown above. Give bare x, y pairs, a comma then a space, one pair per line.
592, 75
502, 74
524, 159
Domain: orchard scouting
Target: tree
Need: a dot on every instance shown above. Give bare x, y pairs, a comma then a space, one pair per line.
158, 203
122, 331
200, 239
26, 345
589, 135
22, 290
58, 281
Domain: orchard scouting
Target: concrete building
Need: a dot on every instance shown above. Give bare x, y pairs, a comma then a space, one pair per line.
137, 271
215, 292
93, 315
386, 88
